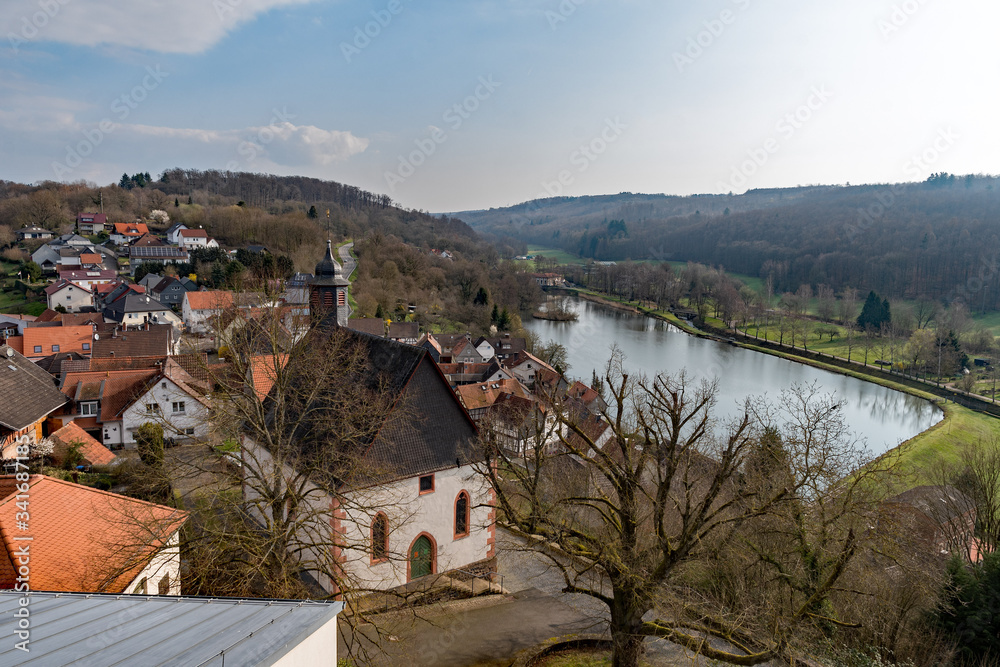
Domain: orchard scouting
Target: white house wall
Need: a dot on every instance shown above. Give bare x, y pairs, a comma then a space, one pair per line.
71, 298
196, 415
166, 562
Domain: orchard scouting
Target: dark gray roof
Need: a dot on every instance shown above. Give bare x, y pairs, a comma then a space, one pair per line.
426, 430
370, 325
147, 631
27, 393
941, 503
154, 342
133, 303
404, 330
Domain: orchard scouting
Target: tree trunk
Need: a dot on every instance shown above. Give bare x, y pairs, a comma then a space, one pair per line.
628, 649
626, 620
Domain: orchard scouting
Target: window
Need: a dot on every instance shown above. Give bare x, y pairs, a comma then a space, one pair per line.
178, 407
163, 385
88, 409
163, 587
152, 408
38, 349
189, 431
427, 484
86, 346
107, 436
380, 538
55, 348
140, 588
462, 515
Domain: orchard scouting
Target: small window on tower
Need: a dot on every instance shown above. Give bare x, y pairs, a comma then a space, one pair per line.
427, 484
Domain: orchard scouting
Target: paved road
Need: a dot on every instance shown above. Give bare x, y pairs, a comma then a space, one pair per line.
348, 262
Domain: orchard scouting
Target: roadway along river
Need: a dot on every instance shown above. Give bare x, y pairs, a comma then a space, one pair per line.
883, 416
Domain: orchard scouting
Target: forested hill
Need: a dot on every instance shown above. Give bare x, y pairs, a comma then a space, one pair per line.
939, 239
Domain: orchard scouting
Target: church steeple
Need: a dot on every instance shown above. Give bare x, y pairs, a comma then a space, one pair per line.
328, 290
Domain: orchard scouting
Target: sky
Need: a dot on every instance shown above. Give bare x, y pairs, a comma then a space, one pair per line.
450, 106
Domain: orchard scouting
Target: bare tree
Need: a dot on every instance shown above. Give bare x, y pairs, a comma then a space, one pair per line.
628, 512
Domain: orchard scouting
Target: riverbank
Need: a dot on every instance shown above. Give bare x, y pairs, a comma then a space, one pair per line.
967, 422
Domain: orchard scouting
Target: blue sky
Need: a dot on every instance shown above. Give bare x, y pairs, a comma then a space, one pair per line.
456, 105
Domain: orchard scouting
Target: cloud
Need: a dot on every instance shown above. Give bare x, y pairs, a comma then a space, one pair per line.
167, 26
281, 143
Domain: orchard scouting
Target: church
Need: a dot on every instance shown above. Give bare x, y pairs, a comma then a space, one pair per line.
401, 498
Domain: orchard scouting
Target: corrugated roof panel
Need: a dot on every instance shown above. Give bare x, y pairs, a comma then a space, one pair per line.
127, 630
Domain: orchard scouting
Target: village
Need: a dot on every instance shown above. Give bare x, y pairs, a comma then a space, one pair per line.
143, 375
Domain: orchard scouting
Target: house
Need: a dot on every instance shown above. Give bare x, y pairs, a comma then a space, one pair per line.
480, 397
464, 352
31, 233
526, 367
69, 295
126, 232
461, 374
418, 464
149, 281
195, 238
86, 278
148, 241
503, 347
173, 232
199, 308
91, 452
140, 310
297, 288
13, 324
89, 224
441, 346
170, 291
98, 399
585, 397
27, 396
140, 630
41, 341
404, 332
163, 254
549, 279
88, 540
48, 257
56, 362
175, 400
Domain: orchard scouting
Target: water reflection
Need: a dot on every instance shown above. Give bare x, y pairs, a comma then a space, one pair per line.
883, 416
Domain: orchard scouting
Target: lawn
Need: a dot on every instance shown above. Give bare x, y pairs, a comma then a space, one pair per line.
561, 256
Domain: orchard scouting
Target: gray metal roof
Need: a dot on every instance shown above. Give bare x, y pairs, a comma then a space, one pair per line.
148, 631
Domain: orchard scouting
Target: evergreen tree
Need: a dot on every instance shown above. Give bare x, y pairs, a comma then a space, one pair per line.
149, 442
312, 212
177, 202
874, 314
482, 297
495, 315
969, 610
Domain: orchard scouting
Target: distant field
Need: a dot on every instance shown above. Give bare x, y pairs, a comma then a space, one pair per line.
561, 256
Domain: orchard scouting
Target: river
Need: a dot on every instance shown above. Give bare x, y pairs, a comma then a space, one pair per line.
884, 417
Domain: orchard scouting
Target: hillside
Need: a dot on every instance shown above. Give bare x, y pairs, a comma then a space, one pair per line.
936, 240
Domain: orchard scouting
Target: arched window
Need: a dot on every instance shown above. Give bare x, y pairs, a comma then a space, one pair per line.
462, 515
380, 537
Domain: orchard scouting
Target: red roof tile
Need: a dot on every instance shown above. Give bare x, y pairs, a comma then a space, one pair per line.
194, 233
131, 228
68, 339
84, 539
115, 389
94, 453
209, 300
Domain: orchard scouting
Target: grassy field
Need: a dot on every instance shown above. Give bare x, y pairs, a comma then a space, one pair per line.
561, 256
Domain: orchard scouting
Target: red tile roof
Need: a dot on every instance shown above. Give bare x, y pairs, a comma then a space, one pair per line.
69, 339
194, 233
94, 453
90, 258
131, 228
84, 539
209, 300
485, 394
265, 373
115, 389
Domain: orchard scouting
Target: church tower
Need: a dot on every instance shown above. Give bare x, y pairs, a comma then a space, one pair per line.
328, 290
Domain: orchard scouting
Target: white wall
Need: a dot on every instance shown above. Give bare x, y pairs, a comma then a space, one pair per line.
167, 561
410, 514
72, 298
195, 414
319, 648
